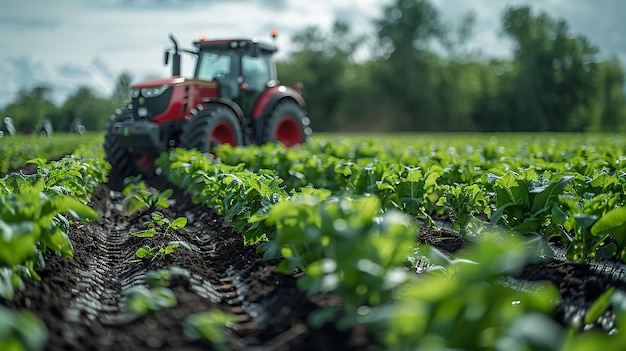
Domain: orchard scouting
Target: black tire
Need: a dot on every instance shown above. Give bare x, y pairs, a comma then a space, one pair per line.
210, 127
287, 124
120, 159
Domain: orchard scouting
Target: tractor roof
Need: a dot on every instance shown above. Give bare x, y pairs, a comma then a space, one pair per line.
235, 43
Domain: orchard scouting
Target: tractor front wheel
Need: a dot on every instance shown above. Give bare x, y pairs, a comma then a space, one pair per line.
211, 127
120, 159
287, 124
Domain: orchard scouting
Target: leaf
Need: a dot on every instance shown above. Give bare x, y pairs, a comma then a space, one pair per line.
18, 242
148, 233
208, 326
599, 306
548, 194
497, 215
76, 208
7, 290
163, 297
160, 199
132, 204
178, 223
144, 251
613, 222
159, 218
182, 244
27, 330
585, 220
321, 316
60, 243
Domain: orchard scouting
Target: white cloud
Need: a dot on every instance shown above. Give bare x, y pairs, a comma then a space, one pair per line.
68, 43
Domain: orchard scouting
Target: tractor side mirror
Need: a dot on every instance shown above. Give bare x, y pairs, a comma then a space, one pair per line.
176, 57
166, 57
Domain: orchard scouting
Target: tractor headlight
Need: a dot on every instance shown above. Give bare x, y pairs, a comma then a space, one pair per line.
153, 92
134, 93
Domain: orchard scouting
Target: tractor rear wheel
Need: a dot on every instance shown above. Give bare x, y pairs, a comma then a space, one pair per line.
287, 124
211, 127
120, 159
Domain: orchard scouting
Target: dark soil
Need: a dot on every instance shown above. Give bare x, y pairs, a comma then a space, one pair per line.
81, 300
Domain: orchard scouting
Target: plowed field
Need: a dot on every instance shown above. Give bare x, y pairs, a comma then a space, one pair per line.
81, 300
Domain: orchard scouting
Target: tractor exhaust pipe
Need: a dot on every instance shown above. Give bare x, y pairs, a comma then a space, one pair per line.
175, 57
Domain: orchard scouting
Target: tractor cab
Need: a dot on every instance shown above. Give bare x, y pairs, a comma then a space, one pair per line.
242, 68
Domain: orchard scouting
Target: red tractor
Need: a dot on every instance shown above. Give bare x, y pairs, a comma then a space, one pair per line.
234, 97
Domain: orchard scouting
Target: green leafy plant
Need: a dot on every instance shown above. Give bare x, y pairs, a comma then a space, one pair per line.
137, 195
458, 306
344, 246
209, 326
161, 250
236, 193
165, 277
159, 221
463, 202
525, 201
143, 300
21, 330
31, 223
303, 205
162, 223
589, 222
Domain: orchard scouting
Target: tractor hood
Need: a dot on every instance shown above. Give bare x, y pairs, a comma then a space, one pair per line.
156, 83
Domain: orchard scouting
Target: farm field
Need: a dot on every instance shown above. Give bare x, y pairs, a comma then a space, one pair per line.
17, 150
363, 242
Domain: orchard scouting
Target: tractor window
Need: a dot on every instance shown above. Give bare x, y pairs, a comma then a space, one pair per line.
257, 71
213, 65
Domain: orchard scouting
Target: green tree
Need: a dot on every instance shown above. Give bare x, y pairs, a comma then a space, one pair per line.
405, 34
121, 90
31, 107
85, 105
491, 111
324, 64
457, 77
555, 80
612, 96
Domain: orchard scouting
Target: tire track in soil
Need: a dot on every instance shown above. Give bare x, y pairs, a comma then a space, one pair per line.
81, 299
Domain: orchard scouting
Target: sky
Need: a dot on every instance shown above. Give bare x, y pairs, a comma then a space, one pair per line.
70, 43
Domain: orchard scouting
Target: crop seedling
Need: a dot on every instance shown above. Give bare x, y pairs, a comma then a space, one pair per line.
209, 326
159, 221
166, 277
143, 301
137, 195
161, 250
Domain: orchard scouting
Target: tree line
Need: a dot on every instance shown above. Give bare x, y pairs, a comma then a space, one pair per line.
422, 77
419, 75
32, 106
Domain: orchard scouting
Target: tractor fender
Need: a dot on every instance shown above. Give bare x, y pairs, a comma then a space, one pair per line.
241, 117
266, 103
271, 97
206, 102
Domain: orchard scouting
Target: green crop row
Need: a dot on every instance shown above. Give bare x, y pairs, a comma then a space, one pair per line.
566, 187
355, 246
17, 150
36, 211
35, 214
